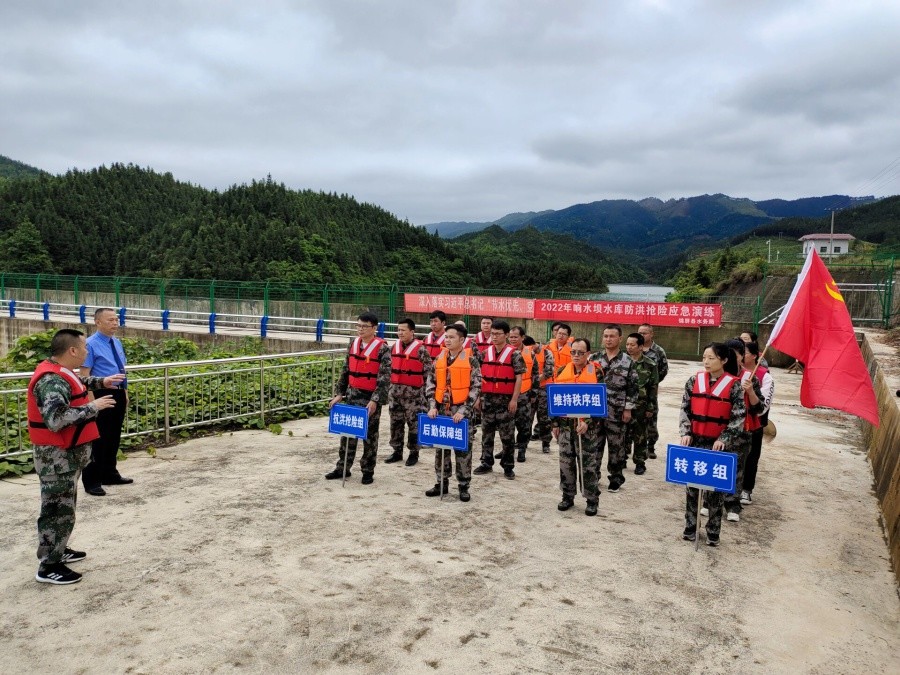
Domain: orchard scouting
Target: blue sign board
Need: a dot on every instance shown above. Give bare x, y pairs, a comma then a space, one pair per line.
348, 420
576, 400
705, 469
443, 432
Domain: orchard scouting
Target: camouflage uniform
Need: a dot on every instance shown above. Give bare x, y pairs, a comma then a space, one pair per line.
742, 448
525, 411
591, 457
730, 437
540, 401
353, 396
658, 355
495, 416
648, 381
463, 459
621, 382
405, 404
58, 468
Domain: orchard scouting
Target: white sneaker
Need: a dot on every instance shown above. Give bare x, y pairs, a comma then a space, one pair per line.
704, 512
733, 517
746, 498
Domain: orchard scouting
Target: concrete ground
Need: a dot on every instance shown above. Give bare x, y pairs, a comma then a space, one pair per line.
233, 554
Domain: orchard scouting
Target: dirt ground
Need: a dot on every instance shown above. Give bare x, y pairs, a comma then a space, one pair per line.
232, 553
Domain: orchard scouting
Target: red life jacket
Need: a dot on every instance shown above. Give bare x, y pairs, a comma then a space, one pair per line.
481, 342
364, 364
406, 367
67, 437
497, 374
711, 408
468, 343
751, 421
435, 345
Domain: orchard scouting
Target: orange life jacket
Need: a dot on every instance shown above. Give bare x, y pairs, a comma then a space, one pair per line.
406, 366
460, 374
561, 357
67, 437
588, 375
364, 364
435, 345
711, 406
528, 357
497, 374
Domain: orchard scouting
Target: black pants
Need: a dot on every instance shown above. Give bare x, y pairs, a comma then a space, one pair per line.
756, 439
102, 466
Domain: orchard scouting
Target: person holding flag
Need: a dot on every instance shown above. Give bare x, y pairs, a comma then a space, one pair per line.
815, 328
712, 418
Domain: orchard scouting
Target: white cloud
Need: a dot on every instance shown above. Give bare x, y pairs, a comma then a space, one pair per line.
461, 110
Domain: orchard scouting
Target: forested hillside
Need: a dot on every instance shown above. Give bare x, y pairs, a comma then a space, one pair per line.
11, 169
130, 221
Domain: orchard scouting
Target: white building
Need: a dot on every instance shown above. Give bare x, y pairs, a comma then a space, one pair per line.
823, 243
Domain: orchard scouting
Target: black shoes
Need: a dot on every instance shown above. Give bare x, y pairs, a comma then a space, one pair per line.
117, 480
396, 457
545, 447
689, 534
436, 491
413, 459
482, 469
95, 491
614, 486
337, 474
464, 495
521, 456
57, 574
651, 454
72, 555
712, 539
509, 474
368, 478
640, 470
565, 504
591, 510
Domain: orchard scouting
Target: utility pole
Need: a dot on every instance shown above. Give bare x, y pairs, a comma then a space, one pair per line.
769, 244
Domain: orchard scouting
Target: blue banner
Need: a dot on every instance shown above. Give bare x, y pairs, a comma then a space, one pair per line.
708, 469
442, 432
576, 400
348, 420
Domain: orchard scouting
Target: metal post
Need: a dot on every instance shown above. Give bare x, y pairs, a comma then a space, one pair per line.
75, 293
37, 288
346, 441
212, 296
262, 394
162, 294
441, 484
579, 464
166, 403
266, 300
118, 293
697, 531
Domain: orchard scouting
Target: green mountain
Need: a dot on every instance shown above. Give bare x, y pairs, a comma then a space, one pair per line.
129, 221
12, 170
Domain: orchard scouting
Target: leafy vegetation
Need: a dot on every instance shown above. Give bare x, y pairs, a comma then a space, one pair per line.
194, 399
129, 221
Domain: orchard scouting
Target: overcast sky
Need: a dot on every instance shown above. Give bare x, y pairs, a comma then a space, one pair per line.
463, 110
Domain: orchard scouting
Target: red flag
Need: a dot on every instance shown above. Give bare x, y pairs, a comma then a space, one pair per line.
815, 328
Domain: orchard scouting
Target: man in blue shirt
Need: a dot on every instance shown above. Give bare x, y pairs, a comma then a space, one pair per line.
105, 357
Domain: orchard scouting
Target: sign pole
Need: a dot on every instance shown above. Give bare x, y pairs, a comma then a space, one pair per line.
345, 441
443, 459
697, 531
580, 463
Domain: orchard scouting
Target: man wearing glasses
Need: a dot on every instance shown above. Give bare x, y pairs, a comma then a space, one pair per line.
364, 381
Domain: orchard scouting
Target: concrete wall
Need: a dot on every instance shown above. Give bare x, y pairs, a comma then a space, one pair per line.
883, 446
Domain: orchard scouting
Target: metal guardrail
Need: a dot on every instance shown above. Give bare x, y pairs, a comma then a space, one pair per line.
167, 397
